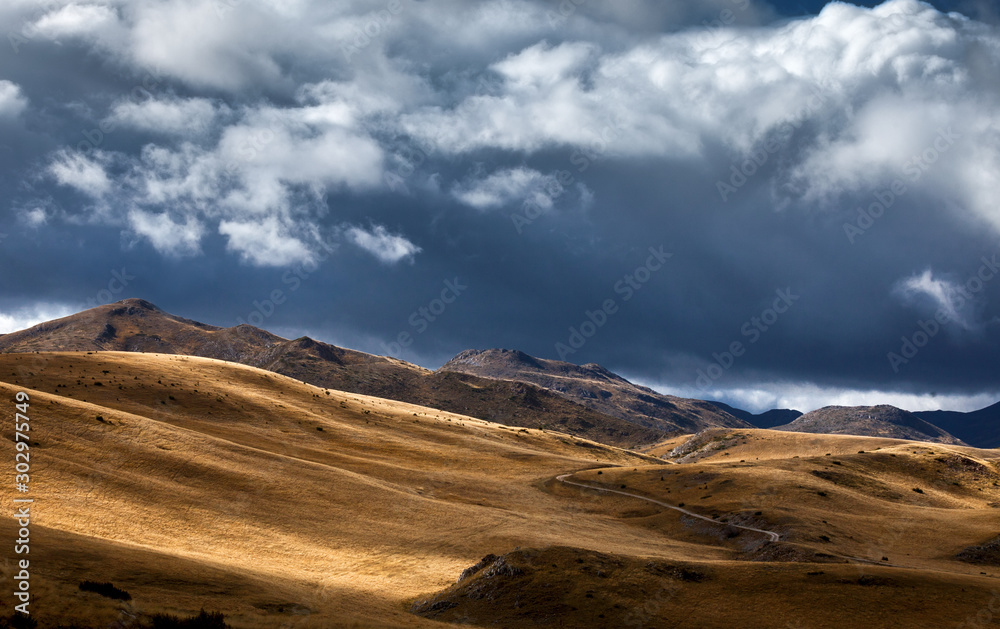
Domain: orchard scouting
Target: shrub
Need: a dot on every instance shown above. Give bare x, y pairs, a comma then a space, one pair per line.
204, 620
105, 589
17, 620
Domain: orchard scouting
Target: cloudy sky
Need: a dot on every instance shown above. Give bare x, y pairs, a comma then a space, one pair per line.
768, 203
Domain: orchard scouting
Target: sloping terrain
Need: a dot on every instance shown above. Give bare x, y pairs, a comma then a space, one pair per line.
767, 419
979, 428
861, 522
596, 388
135, 325
870, 421
192, 483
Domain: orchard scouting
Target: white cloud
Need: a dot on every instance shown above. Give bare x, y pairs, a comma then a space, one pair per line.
954, 300
191, 116
262, 180
12, 101
853, 95
267, 242
76, 20
807, 397
541, 66
389, 248
13, 320
76, 170
34, 217
168, 236
514, 185
861, 90
221, 51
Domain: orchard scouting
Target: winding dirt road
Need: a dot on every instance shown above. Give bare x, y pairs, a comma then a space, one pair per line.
772, 536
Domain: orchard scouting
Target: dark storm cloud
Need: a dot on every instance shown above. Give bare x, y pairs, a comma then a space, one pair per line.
650, 186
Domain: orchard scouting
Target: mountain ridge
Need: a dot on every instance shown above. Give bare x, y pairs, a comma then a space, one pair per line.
978, 428
767, 419
599, 389
137, 325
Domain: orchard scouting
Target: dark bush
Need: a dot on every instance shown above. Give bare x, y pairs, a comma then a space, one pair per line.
17, 620
204, 620
105, 589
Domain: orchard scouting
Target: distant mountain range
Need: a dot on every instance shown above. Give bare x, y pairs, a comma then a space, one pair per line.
767, 419
872, 421
979, 428
500, 385
577, 406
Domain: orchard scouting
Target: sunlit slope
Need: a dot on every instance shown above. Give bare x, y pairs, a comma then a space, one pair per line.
355, 504
196, 483
858, 546
916, 504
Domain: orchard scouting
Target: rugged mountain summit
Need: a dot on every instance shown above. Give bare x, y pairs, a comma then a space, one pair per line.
869, 421
596, 388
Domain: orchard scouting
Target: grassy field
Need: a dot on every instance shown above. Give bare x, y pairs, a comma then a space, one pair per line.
193, 483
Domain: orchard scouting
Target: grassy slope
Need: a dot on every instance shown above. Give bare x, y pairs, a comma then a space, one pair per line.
223, 467
208, 484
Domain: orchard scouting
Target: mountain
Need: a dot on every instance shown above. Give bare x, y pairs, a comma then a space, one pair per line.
596, 388
979, 428
870, 421
767, 419
136, 325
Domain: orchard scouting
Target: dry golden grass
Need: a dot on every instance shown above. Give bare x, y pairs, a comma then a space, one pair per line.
215, 485
217, 476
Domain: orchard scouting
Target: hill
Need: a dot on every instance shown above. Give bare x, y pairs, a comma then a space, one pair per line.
135, 325
596, 388
767, 419
194, 483
979, 428
871, 421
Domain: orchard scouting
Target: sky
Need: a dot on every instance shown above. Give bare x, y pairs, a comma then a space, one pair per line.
785, 204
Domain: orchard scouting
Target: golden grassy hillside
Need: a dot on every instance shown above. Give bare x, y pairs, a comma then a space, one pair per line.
192, 482
195, 483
